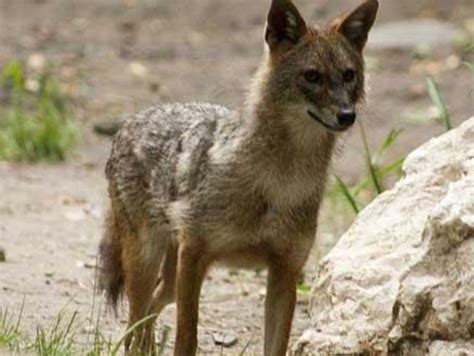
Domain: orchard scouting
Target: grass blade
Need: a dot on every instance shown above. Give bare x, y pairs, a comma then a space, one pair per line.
393, 167
242, 353
347, 194
469, 65
438, 99
131, 330
370, 163
390, 139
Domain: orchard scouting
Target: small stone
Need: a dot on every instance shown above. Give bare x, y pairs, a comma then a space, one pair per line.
138, 69
32, 85
83, 264
75, 215
417, 91
88, 329
90, 265
154, 87
80, 23
36, 62
224, 339
108, 128
128, 26
80, 264
453, 62
3, 257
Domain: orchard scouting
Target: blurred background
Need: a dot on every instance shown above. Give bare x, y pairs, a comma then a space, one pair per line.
69, 70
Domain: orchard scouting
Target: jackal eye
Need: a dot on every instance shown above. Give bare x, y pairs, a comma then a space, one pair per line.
348, 75
313, 76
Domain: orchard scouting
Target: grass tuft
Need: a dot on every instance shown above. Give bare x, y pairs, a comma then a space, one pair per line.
35, 123
10, 336
57, 340
378, 174
346, 192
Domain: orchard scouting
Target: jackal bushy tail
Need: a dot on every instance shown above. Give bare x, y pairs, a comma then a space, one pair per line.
111, 275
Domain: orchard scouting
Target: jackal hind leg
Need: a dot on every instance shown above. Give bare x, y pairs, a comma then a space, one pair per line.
165, 291
143, 256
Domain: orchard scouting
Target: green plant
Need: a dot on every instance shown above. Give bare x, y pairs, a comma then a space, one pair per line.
303, 288
377, 176
56, 340
10, 336
34, 125
470, 66
101, 345
61, 337
377, 173
129, 331
438, 99
347, 194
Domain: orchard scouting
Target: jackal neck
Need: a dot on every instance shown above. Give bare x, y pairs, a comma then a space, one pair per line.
287, 155
275, 125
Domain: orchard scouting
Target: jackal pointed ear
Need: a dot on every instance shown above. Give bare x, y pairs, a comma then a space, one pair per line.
285, 26
356, 26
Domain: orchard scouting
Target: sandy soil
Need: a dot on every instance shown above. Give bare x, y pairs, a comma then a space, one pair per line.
115, 57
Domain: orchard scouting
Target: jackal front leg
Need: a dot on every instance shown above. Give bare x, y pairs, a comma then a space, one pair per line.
190, 275
279, 307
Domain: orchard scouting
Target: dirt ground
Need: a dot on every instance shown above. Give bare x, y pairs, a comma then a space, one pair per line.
118, 56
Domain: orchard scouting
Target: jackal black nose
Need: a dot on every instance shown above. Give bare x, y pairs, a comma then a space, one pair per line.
346, 117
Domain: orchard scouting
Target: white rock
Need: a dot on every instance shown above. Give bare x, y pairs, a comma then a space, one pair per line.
402, 277
443, 348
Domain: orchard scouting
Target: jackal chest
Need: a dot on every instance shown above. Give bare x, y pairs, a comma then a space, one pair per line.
283, 195
260, 217
261, 231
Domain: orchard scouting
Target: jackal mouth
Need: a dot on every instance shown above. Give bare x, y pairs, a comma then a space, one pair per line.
327, 126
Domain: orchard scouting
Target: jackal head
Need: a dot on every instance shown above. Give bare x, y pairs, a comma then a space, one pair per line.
314, 72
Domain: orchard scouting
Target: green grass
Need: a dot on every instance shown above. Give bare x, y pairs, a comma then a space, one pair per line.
62, 338
377, 176
438, 100
58, 339
34, 125
470, 66
10, 336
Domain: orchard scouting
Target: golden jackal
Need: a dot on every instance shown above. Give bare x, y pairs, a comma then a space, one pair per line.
194, 184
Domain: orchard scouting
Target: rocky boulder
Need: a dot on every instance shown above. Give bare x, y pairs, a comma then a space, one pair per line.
401, 280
